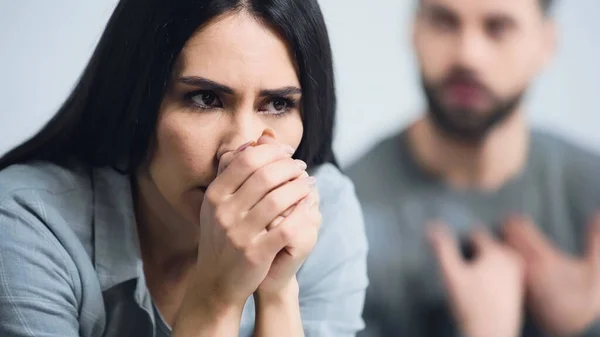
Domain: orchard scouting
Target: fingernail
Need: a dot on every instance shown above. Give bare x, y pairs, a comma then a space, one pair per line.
288, 149
301, 164
311, 180
304, 175
244, 146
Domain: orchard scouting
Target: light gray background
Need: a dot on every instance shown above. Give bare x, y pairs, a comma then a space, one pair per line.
44, 46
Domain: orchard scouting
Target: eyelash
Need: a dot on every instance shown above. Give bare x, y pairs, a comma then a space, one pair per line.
290, 103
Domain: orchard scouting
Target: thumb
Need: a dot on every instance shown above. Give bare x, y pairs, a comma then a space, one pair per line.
228, 157
525, 237
446, 250
593, 241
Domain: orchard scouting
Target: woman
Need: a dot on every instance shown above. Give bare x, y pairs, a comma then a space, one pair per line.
157, 202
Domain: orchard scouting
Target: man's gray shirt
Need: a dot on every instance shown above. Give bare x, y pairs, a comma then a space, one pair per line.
559, 188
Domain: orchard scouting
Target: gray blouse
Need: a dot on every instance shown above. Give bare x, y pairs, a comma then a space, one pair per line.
70, 262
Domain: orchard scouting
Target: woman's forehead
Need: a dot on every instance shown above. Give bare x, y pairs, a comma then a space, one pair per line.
237, 48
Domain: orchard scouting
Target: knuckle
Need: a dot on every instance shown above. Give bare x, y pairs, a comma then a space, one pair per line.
236, 243
266, 178
293, 165
305, 189
247, 161
252, 258
223, 218
212, 196
286, 234
274, 202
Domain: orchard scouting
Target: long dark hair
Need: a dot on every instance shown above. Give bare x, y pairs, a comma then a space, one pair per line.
110, 117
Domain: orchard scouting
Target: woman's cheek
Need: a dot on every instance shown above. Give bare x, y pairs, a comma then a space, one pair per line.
289, 130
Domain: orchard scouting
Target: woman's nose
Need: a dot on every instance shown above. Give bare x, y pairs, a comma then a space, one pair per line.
242, 129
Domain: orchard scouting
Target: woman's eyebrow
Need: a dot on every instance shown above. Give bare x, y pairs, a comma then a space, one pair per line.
285, 91
205, 84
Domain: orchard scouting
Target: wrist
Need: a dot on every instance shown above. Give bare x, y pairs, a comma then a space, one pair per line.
207, 320
278, 311
287, 295
207, 315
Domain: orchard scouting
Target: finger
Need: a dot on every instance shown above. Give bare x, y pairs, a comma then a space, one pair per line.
268, 137
482, 241
244, 164
593, 241
524, 237
296, 233
287, 212
266, 179
446, 250
226, 158
276, 202
315, 199
312, 201
278, 220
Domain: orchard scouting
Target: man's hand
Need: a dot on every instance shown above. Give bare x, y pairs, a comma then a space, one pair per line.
486, 294
562, 291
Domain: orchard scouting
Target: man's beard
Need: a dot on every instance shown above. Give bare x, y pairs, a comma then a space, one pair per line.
464, 124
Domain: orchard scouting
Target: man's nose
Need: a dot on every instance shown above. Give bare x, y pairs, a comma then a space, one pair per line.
471, 49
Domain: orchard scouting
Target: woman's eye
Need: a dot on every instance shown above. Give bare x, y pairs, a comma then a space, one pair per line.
278, 106
206, 99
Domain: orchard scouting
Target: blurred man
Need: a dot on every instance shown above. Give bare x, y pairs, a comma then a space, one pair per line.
471, 160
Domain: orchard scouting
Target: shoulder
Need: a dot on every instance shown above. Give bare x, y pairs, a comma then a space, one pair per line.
34, 198
575, 162
332, 184
45, 225
55, 200
41, 178
338, 201
573, 167
48, 191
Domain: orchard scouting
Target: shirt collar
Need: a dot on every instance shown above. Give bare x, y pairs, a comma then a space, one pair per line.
117, 251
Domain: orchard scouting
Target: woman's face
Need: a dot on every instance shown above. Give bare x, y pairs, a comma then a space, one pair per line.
236, 78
